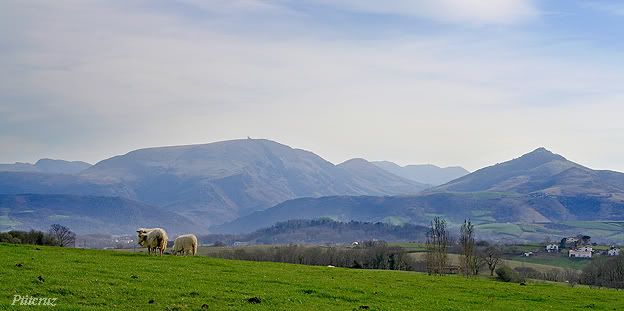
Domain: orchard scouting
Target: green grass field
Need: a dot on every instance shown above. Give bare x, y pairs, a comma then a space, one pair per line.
558, 261
410, 247
96, 279
454, 259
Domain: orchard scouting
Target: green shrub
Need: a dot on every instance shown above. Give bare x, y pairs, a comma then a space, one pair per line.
506, 274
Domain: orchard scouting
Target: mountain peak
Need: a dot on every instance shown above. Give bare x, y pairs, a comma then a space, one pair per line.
542, 150
524, 174
541, 155
355, 161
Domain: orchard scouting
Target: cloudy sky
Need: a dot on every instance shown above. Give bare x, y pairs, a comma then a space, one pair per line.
448, 82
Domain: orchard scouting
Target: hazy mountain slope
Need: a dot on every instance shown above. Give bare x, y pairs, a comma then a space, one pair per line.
537, 187
425, 173
531, 172
410, 209
47, 166
44, 183
87, 214
455, 207
369, 175
18, 167
221, 181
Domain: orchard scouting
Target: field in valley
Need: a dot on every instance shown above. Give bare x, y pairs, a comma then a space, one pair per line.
600, 231
97, 279
542, 262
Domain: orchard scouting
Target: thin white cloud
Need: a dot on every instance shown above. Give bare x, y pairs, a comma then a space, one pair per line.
476, 12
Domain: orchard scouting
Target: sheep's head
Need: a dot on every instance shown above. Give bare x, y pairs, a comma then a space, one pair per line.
142, 237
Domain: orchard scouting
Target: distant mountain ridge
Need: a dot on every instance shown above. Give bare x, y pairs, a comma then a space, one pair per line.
540, 171
223, 180
424, 173
363, 170
47, 166
215, 182
243, 185
539, 187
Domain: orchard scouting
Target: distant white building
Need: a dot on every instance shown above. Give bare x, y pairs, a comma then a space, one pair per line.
613, 251
552, 248
571, 239
581, 252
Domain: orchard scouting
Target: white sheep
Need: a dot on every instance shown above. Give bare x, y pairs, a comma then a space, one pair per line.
154, 238
185, 244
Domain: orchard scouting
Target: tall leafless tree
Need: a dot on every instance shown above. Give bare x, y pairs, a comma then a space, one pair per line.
492, 257
63, 235
437, 247
467, 244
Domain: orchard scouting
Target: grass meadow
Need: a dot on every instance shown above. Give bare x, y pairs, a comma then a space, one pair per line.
106, 280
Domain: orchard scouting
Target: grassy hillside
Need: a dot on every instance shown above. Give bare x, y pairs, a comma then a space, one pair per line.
91, 279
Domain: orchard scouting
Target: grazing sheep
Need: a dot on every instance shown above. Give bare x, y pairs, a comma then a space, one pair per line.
155, 238
185, 244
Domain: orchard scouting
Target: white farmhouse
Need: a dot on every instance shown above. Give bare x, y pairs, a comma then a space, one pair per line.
581, 252
552, 248
613, 251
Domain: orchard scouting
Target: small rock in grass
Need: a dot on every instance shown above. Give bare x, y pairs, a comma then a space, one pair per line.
151, 301
254, 300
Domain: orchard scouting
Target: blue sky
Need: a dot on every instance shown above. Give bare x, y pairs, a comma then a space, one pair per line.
447, 82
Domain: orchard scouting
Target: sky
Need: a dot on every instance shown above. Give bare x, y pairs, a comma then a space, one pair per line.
447, 82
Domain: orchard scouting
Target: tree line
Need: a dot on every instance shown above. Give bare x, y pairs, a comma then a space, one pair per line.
57, 235
323, 230
367, 255
605, 272
474, 256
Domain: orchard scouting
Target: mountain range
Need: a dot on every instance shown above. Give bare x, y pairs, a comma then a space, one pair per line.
539, 187
424, 173
47, 166
209, 183
243, 185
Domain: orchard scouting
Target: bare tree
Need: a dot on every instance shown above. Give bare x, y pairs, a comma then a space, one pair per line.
478, 262
467, 244
63, 235
492, 257
437, 247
